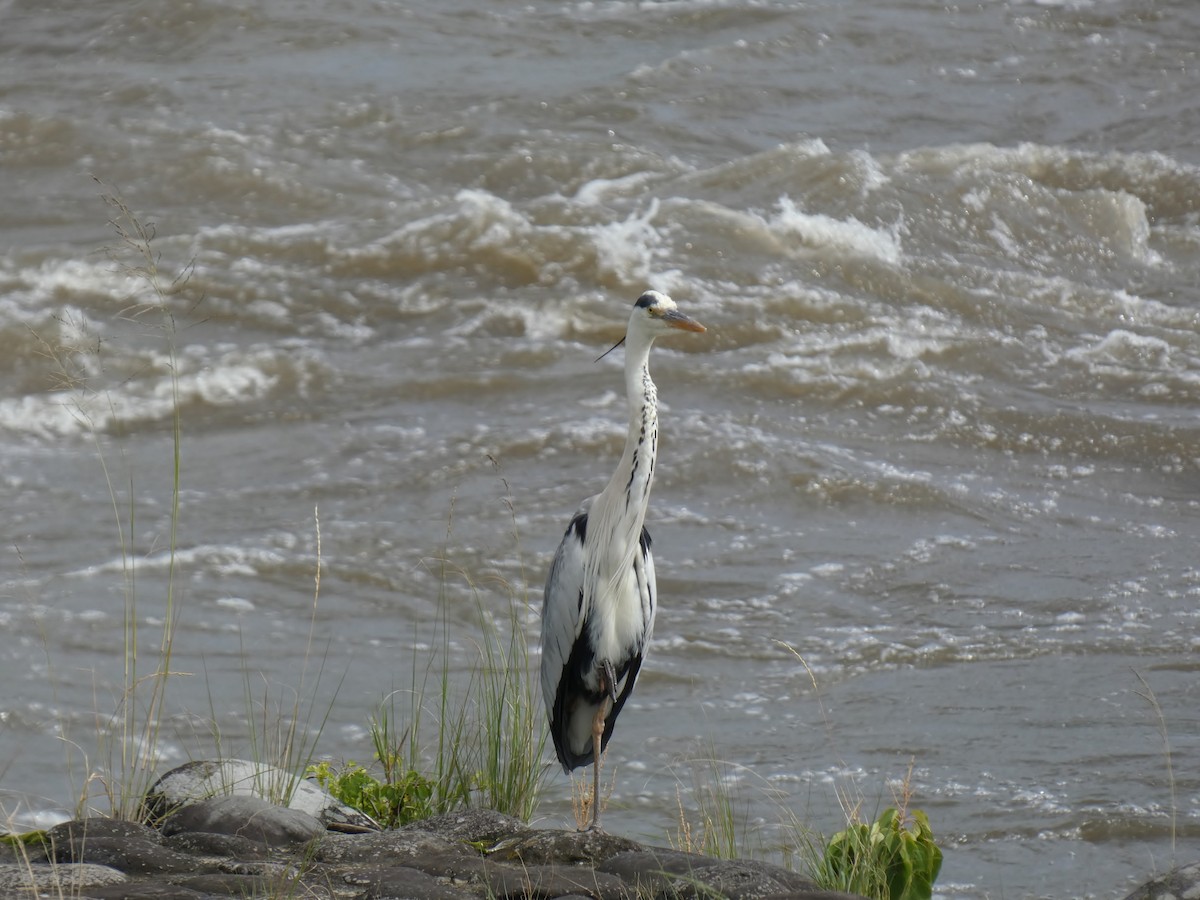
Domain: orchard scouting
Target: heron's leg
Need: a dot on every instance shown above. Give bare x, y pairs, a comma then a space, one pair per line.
608, 687
597, 737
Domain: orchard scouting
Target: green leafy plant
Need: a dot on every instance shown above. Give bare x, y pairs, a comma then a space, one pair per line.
392, 802
885, 859
402, 795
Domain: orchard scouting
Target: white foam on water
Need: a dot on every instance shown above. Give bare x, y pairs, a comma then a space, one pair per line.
1107, 199
264, 234
236, 604
212, 558
473, 222
849, 235
1057, 4
627, 248
872, 177
1125, 351
1006, 241
553, 241
538, 323
828, 570
234, 377
71, 413
55, 280
599, 190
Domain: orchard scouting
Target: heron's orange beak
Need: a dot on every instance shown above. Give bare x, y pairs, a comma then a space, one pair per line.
676, 319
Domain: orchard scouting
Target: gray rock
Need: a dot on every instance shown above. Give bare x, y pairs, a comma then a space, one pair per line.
131, 848
395, 847
474, 825
731, 881
277, 871
747, 872
202, 843
248, 817
461, 865
146, 890
546, 847
404, 883
1182, 883
651, 873
203, 779
663, 872
548, 882
245, 846
42, 879
76, 830
130, 856
230, 884
31, 849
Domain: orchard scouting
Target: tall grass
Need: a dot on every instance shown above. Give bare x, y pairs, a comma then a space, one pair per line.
720, 825
129, 738
488, 741
510, 702
279, 718
1147, 694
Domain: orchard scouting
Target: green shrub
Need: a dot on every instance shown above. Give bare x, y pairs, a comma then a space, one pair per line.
885, 859
391, 803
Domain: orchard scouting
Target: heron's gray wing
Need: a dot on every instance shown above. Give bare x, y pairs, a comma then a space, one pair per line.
563, 609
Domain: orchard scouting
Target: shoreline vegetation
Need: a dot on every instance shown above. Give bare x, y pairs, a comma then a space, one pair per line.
442, 752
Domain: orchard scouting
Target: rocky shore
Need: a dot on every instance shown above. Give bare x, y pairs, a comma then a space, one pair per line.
245, 850
233, 842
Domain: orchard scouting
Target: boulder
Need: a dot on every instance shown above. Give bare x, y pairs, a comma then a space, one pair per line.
1182, 883
231, 846
247, 817
549, 882
203, 779
553, 846
125, 846
387, 847
479, 826
659, 871
404, 883
41, 880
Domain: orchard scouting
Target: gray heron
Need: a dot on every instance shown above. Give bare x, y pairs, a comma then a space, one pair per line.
600, 597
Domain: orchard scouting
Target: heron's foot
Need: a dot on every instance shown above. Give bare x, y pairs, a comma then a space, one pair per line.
609, 681
594, 828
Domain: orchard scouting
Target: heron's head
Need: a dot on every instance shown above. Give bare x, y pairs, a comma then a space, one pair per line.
655, 313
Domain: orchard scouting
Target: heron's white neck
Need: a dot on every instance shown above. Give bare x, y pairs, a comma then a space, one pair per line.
623, 502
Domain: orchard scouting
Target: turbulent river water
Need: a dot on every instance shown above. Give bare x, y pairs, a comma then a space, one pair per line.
927, 499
